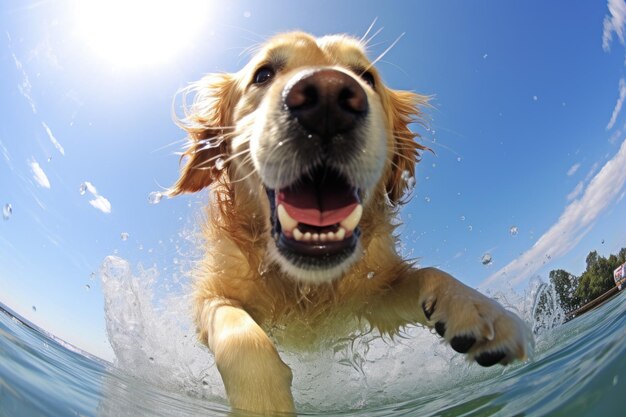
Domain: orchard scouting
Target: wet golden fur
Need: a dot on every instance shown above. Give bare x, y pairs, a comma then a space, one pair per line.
240, 294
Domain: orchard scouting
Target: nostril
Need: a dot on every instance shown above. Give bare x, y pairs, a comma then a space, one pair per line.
352, 99
301, 96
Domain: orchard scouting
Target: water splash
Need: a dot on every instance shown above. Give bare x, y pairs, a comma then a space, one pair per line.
219, 164
408, 179
7, 211
155, 197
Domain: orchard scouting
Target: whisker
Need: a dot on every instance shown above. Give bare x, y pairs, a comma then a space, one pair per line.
364, 39
385, 52
169, 144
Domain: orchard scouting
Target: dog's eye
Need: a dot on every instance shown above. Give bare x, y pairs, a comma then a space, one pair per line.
368, 77
263, 75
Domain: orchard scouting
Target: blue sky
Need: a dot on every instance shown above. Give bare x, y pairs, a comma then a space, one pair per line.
527, 130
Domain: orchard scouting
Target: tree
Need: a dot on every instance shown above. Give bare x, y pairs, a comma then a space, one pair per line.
565, 285
598, 277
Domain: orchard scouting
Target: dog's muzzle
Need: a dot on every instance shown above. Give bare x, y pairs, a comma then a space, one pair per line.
315, 219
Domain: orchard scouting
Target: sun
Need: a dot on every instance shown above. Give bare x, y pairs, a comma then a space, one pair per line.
138, 33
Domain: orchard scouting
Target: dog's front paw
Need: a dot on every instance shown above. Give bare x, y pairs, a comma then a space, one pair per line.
477, 326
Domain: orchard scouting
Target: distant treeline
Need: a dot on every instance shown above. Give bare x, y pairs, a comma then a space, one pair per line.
573, 291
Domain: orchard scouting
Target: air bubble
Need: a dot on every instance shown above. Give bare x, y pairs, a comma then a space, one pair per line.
35, 309
155, 197
513, 231
124, 236
486, 259
7, 210
219, 164
370, 275
462, 218
427, 199
458, 159
82, 189
87, 287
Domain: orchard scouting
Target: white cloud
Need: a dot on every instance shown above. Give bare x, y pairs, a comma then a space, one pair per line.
99, 202
618, 106
39, 176
573, 170
616, 22
54, 140
574, 223
575, 192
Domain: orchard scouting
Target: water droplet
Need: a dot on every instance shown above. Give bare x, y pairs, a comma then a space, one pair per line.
603, 241
82, 189
458, 159
370, 275
247, 13
486, 259
535, 98
408, 179
87, 287
470, 228
513, 231
462, 218
34, 309
219, 164
92, 276
124, 236
7, 210
427, 199
155, 197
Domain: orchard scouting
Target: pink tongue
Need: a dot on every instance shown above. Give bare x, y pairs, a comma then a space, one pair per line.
305, 204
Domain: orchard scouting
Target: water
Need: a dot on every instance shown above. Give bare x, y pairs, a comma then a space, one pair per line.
578, 368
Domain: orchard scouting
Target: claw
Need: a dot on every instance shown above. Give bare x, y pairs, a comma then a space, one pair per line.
429, 307
440, 327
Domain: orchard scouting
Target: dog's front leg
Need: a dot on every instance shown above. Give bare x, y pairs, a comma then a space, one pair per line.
469, 321
255, 377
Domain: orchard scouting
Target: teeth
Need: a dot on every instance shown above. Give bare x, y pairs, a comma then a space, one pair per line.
319, 237
286, 222
350, 222
290, 227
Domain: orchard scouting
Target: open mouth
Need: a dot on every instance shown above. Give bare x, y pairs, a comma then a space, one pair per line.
316, 219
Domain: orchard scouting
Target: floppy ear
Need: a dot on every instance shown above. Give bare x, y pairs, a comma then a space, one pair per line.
403, 109
207, 121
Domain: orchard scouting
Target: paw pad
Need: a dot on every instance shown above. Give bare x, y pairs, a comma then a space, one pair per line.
462, 344
490, 358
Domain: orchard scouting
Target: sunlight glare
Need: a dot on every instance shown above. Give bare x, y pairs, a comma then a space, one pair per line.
139, 33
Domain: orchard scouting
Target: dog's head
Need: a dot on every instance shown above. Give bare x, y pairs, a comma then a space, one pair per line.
311, 120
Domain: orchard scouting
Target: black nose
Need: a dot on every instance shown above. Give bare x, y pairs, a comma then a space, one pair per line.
326, 102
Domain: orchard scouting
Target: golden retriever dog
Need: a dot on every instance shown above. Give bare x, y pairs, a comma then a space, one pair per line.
307, 154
